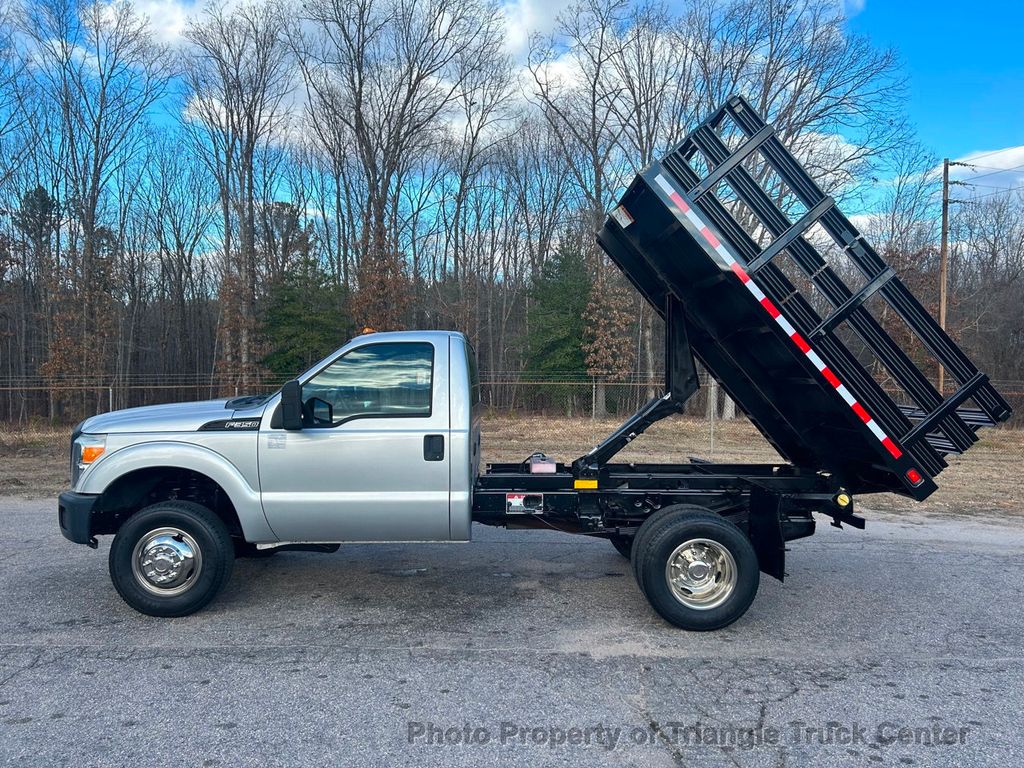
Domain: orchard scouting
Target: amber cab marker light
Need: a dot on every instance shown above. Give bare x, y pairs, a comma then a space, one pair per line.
91, 452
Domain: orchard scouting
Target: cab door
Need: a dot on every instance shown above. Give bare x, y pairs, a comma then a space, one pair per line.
372, 460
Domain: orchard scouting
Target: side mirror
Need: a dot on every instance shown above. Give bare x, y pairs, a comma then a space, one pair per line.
291, 405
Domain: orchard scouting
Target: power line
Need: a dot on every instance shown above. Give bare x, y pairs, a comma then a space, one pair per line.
995, 171
987, 167
983, 186
994, 152
990, 194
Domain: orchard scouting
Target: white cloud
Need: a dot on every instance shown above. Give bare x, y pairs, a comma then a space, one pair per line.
167, 18
527, 17
851, 8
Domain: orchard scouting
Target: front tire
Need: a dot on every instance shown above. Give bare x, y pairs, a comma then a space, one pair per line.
698, 570
171, 558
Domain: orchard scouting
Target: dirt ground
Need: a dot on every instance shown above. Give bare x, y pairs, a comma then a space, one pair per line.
983, 482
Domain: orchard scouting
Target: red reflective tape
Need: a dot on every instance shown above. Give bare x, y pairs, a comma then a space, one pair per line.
678, 200
710, 237
891, 447
799, 341
831, 377
859, 410
767, 304
741, 273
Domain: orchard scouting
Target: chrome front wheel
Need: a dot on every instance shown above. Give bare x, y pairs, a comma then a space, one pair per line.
171, 559
167, 561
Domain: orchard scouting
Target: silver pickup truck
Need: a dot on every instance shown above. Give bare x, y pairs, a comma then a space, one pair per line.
380, 441
386, 449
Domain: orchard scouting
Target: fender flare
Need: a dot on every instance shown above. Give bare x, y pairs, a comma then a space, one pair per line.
179, 455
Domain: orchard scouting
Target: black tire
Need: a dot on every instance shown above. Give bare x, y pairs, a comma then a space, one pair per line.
211, 567
245, 549
653, 524
623, 545
654, 548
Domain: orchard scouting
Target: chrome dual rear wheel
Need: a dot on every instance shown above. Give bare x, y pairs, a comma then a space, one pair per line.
697, 569
701, 574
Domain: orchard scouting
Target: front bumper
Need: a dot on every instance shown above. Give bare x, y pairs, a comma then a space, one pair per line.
74, 514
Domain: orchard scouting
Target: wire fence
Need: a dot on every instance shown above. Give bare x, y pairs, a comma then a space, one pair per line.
63, 400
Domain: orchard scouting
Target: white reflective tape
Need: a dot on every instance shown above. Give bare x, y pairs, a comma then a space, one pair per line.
818, 362
729, 260
876, 429
789, 329
664, 184
850, 399
754, 290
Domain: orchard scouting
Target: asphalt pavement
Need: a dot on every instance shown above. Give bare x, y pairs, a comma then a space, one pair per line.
899, 645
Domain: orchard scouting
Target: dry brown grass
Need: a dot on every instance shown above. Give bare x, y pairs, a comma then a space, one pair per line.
508, 438
983, 482
35, 461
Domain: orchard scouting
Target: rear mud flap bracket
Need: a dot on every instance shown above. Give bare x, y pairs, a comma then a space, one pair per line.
766, 532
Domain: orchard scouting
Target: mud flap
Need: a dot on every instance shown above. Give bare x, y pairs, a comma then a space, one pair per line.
766, 532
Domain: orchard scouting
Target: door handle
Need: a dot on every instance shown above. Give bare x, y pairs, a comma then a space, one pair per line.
433, 447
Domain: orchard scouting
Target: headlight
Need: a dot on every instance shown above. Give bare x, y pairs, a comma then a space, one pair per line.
84, 451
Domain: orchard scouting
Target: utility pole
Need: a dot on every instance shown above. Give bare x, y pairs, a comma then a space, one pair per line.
943, 262
944, 253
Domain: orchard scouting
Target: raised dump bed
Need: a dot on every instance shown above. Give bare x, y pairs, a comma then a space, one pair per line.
704, 232
760, 277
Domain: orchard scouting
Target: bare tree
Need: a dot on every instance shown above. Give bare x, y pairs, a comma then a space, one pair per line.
986, 276
371, 156
13, 100
99, 67
238, 80
179, 209
388, 74
577, 88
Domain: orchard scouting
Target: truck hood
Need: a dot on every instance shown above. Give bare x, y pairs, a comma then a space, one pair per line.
173, 417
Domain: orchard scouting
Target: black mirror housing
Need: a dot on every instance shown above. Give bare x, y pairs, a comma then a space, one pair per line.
291, 405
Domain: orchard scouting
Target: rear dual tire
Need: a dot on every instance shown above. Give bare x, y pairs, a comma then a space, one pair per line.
698, 570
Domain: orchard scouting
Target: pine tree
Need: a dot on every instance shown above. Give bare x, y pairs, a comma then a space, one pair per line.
557, 328
305, 319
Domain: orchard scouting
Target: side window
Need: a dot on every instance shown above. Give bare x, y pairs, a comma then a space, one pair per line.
391, 379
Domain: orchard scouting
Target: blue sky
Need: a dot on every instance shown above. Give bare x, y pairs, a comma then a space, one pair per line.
966, 75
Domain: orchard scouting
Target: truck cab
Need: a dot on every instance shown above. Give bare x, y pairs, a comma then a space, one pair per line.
385, 407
